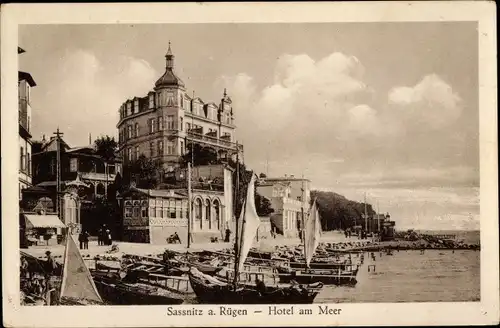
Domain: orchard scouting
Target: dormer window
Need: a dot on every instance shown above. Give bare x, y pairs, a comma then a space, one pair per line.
129, 108
151, 101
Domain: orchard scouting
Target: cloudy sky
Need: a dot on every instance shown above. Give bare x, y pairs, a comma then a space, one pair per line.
390, 109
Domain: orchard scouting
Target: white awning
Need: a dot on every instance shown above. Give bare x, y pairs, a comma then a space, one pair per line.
43, 221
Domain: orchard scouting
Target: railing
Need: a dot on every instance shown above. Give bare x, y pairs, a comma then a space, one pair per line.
192, 136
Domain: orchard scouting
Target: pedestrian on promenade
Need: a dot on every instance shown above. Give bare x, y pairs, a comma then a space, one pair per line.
80, 239
86, 240
99, 237
228, 235
108, 237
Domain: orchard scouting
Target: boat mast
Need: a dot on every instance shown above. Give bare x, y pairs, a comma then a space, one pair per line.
303, 231
366, 216
189, 208
378, 217
235, 200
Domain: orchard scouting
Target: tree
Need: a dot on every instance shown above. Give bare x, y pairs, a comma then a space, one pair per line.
106, 147
36, 146
263, 205
338, 212
145, 172
199, 155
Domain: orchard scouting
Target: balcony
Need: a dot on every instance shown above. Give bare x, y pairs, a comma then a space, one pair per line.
209, 140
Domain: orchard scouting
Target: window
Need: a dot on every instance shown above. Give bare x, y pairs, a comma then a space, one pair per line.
144, 212
160, 123
182, 147
52, 166
159, 213
182, 124
29, 163
136, 105
136, 211
152, 125
129, 154
152, 149
129, 108
21, 159
182, 101
151, 101
160, 148
73, 165
188, 126
152, 212
136, 130
170, 122
136, 153
129, 132
170, 148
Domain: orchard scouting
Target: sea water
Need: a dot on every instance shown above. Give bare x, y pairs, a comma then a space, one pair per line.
409, 276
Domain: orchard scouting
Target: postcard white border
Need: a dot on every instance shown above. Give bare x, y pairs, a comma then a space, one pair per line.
484, 312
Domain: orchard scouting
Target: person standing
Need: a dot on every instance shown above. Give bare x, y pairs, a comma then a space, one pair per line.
108, 237
99, 237
86, 240
80, 239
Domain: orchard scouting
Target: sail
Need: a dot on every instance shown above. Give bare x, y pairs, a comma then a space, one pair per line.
77, 283
312, 233
249, 222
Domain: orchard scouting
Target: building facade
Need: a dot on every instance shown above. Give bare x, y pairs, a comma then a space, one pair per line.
151, 216
289, 197
78, 163
163, 124
25, 83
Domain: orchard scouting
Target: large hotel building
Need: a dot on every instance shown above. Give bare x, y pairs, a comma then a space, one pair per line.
165, 122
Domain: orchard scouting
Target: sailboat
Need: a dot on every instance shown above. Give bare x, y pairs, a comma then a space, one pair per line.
77, 286
212, 290
327, 276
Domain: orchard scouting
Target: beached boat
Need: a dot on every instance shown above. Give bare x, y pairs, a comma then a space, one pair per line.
306, 274
210, 289
138, 292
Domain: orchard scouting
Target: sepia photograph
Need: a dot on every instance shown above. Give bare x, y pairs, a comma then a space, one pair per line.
207, 167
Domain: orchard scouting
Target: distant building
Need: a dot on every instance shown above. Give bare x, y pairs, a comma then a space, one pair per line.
151, 216
165, 122
288, 197
82, 163
25, 83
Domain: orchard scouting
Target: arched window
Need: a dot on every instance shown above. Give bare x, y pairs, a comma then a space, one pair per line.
208, 213
198, 212
216, 211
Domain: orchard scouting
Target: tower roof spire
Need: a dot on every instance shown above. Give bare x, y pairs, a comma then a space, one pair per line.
169, 51
169, 78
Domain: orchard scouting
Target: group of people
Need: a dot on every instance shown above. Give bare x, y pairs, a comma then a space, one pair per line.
104, 237
83, 238
35, 281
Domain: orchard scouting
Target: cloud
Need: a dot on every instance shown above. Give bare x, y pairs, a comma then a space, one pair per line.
432, 101
88, 93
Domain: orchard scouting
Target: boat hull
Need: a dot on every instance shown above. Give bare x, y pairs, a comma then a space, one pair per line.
117, 293
226, 294
326, 279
